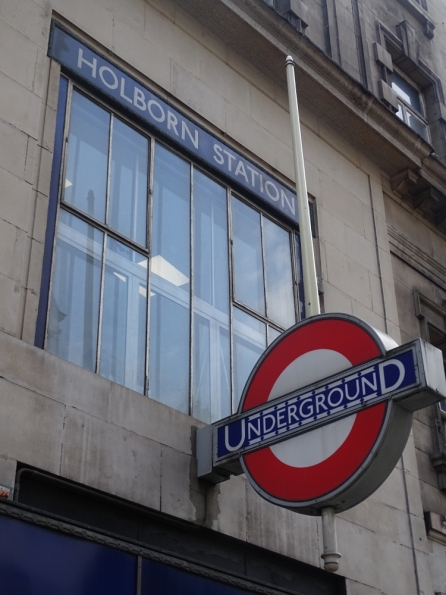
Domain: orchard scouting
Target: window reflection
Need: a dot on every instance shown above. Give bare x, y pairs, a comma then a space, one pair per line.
279, 276
123, 337
128, 182
74, 308
211, 387
248, 260
249, 344
170, 282
86, 175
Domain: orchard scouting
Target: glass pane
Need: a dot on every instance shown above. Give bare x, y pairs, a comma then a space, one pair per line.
211, 273
272, 334
128, 182
249, 344
212, 392
86, 175
279, 276
416, 124
248, 262
74, 308
406, 91
124, 317
169, 352
170, 285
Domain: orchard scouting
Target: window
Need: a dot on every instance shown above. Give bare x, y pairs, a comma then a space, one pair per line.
163, 278
410, 104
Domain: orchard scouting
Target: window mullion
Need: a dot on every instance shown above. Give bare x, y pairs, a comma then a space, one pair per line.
191, 290
149, 248
231, 292
264, 267
59, 196
105, 239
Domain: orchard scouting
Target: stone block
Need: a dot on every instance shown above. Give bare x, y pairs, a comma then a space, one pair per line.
40, 217
16, 197
31, 427
146, 417
427, 472
35, 255
281, 530
368, 315
340, 203
250, 134
350, 162
131, 13
8, 240
284, 163
203, 36
391, 492
271, 116
355, 588
32, 151
18, 56
111, 459
45, 168
90, 17
8, 469
360, 562
181, 496
167, 7
226, 507
392, 556
361, 250
376, 517
10, 302
143, 55
49, 128
432, 498
423, 436
62, 381
31, 305
376, 294
13, 149
335, 300
28, 18
332, 230
250, 73
19, 106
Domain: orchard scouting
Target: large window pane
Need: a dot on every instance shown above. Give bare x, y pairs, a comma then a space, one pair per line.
212, 392
248, 261
124, 316
279, 277
249, 344
170, 281
74, 309
128, 183
86, 173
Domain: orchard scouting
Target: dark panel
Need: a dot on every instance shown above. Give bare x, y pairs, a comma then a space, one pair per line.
38, 561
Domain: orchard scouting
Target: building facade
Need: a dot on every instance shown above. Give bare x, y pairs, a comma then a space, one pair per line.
151, 252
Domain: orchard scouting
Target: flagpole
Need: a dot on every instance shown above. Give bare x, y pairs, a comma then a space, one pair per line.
311, 294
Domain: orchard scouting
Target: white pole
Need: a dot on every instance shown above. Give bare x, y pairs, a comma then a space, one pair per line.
311, 296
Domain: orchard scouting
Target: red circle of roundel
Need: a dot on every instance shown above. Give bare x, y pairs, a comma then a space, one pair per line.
300, 484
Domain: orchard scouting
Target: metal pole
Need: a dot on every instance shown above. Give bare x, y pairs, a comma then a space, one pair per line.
330, 555
311, 296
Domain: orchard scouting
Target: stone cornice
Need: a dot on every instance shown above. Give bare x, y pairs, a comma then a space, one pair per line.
264, 38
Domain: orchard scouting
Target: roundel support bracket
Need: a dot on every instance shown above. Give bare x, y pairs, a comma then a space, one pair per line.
323, 418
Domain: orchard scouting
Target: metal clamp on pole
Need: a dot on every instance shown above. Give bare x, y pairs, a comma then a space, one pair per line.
331, 554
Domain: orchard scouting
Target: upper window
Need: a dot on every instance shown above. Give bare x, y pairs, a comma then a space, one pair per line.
163, 278
410, 104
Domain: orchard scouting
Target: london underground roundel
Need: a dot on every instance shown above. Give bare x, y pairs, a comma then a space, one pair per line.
339, 463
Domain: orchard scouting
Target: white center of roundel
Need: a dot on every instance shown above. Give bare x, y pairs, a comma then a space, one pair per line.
313, 447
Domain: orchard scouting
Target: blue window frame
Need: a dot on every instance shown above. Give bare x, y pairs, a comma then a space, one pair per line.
156, 274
